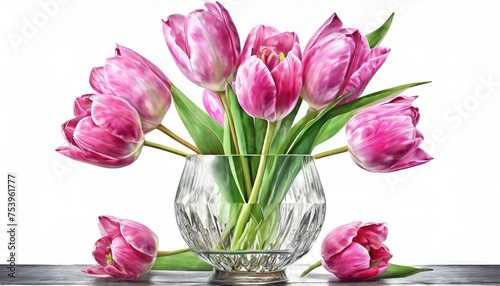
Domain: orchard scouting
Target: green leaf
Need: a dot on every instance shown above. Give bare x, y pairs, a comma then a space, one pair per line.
332, 127
206, 133
397, 271
243, 124
283, 128
374, 38
185, 261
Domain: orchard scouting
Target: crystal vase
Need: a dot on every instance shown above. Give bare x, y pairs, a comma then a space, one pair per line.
248, 224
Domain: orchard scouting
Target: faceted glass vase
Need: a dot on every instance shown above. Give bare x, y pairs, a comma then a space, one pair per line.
250, 231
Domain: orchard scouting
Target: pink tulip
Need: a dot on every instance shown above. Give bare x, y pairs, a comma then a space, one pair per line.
384, 138
127, 249
135, 79
355, 251
106, 132
213, 106
204, 44
269, 79
337, 61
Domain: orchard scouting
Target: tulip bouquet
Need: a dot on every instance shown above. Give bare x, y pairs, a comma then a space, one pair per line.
252, 98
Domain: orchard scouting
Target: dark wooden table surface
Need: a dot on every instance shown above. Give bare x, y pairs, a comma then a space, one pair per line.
72, 275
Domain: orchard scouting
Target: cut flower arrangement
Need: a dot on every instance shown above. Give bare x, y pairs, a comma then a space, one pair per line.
257, 146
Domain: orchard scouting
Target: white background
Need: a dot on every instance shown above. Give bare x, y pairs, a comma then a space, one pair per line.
446, 211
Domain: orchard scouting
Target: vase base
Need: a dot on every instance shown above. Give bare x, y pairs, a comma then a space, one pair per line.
248, 278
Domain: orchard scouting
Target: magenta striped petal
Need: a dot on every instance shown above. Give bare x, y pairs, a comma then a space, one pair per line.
360, 78
211, 65
82, 105
140, 237
117, 118
109, 225
101, 249
88, 136
234, 37
255, 39
213, 106
138, 85
98, 80
355, 251
384, 138
173, 31
97, 159
339, 238
331, 25
205, 45
320, 63
128, 53
351, 263
338, 61
255, 89
287, 77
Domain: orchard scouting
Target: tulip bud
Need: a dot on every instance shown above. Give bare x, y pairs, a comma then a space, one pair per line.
135, 79
204, 44
355, 251
268, 81
384, 138
127, 249
106, 132
337, 61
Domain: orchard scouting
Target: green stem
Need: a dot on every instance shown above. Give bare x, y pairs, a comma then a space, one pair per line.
171, 252
244, 162
247, 207
311, 268
229, 114
331, 152
174, 136
165, 148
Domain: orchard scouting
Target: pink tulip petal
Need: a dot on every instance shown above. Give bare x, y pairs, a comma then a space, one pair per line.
140, 237
109, 225
88, 136
128, 53
140, 87
98, 80
254, 39
255, 89
117, 117
129, 259
96, 270
82, 105
213, 106
97, 159
102, 248
287, 77
320, 64
174, 33
360, 78
348, 263
331, 25
338, 239
380, 254
359, 54
222, 13
210, 64
372, 234
418, 157
68, 129
283, 43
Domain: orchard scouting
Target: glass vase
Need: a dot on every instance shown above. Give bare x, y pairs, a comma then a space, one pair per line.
250, 224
